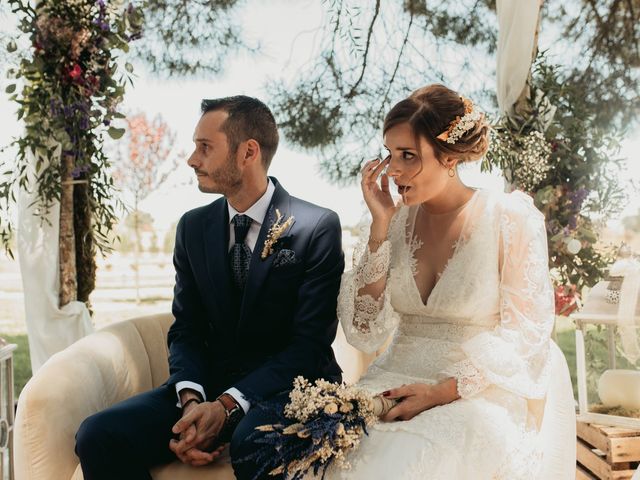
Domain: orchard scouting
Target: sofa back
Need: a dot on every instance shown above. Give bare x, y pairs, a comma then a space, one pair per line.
97, 371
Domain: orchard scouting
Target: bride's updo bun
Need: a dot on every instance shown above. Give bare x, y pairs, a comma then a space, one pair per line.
436, 113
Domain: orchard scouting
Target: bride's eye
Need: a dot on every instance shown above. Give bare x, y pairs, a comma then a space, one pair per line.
407, 155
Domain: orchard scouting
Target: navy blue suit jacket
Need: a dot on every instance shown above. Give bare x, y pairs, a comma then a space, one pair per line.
286, 320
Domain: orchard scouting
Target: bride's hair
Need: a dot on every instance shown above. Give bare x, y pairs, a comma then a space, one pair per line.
430, 111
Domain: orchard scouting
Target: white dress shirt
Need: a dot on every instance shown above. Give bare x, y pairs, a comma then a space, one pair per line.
257, 212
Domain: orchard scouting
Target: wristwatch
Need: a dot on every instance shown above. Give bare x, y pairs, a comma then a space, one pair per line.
234, 414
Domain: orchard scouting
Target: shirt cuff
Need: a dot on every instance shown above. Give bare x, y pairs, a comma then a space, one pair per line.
193, 386
239, 397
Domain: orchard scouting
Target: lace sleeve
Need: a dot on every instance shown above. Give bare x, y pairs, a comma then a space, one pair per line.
367, 321
469, 379
515, 355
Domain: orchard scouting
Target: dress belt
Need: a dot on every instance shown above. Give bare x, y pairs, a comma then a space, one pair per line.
481, 321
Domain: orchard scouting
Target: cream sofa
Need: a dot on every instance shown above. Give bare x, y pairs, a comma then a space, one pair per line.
130, 357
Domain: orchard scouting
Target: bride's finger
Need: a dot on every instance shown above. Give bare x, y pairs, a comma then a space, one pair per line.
369, 177
379, 168
368, 166
399, 392
384, 183
393, 414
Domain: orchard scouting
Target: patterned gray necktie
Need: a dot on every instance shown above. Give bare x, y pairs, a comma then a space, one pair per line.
240, 253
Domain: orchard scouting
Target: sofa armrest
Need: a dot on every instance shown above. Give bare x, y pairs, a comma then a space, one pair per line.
94, 373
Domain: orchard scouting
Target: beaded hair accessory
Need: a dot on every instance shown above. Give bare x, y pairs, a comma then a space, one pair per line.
461, 125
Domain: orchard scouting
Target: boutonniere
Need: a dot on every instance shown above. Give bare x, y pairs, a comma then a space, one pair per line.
278, 227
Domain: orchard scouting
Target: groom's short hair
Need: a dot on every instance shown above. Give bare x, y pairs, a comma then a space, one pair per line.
249, 118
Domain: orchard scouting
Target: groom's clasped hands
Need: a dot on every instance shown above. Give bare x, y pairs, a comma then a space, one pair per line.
197, 432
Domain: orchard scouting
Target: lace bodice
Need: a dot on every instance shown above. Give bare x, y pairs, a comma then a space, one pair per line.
489, 315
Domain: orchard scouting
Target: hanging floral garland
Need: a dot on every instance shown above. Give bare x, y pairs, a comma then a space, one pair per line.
68, 90
552, 149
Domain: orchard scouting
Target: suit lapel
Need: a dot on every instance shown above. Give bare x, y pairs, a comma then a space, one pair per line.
259, 268
216, 245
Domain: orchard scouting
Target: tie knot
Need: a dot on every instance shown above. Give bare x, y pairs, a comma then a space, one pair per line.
241, 227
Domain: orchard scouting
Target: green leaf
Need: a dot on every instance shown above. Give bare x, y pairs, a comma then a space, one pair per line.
11, 88
128, 67
12, 47
116, 133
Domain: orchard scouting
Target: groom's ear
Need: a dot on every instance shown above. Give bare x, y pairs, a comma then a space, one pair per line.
251, 152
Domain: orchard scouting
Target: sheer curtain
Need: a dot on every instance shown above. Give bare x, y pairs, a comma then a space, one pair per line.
517, 23
50, 328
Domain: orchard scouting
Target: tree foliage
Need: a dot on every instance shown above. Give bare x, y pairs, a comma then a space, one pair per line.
144, 157
372, 56
184, 37
561, 148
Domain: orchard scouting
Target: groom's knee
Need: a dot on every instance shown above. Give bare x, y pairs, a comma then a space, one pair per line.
244, 443
92, 436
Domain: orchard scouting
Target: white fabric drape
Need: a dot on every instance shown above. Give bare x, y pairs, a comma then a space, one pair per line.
50, 328
517, 23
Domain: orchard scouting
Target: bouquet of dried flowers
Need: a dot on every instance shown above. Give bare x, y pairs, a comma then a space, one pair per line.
320, 424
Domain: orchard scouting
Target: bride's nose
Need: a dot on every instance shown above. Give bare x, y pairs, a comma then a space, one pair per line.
392, 168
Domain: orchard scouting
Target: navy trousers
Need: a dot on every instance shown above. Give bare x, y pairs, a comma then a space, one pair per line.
124, 441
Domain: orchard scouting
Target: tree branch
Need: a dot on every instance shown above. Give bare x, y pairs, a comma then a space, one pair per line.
397, 65
352, 93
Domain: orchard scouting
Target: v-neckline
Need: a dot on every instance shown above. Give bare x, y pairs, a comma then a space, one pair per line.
456, 248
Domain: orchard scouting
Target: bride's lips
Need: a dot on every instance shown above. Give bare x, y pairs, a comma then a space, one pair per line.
402, 189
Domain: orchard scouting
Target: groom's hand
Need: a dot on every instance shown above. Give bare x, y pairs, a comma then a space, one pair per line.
198, 429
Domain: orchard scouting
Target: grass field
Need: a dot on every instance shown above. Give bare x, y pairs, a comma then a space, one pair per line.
21, 362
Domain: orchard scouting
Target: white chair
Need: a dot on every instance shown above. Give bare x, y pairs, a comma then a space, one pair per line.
130, 357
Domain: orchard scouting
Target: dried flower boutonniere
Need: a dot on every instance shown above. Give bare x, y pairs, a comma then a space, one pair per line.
275, 232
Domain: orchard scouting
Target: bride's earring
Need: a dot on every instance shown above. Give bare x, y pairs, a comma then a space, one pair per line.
452, 172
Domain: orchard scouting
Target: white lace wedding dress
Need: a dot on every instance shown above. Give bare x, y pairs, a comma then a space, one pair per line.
487, 322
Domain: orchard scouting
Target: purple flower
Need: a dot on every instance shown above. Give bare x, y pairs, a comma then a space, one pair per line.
78, 171
54, 107
577, 198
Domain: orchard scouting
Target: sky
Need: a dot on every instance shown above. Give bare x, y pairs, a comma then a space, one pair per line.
288, 32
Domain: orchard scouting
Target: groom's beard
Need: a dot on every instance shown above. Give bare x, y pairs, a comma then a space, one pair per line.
226, 180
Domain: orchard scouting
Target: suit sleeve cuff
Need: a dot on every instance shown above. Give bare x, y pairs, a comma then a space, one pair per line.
191, 385
239, 397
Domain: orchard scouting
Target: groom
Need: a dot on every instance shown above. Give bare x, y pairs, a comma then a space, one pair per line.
257, 277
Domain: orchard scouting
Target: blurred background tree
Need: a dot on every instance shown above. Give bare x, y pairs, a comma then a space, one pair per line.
143, 160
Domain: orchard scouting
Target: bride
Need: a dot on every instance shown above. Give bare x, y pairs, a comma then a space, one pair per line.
460, 278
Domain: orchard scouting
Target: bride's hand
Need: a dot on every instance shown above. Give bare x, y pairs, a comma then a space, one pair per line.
418, 397
377, 196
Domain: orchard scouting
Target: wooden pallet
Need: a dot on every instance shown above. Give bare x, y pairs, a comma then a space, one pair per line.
606, 453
